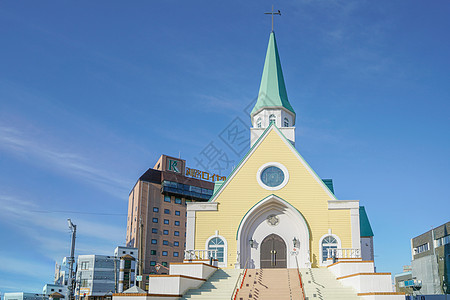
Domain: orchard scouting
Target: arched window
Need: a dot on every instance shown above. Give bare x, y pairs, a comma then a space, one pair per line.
328, 242
286, 122
258, 123
272, 118
216, 243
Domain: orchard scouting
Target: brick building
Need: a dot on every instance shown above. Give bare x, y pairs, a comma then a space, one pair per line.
158, 203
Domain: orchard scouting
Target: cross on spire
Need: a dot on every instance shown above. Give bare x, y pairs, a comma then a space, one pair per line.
273, 13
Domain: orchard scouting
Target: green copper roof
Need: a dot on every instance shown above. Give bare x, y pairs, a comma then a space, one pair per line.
329, 184
272, 91
364, 224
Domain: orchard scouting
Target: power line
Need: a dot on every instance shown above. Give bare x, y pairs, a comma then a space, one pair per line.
76, 212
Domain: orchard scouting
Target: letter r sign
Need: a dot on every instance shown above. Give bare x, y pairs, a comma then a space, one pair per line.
172, 165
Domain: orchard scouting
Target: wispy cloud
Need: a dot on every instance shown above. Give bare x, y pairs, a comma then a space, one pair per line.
51, 232
217, 104
25, 146
13, 265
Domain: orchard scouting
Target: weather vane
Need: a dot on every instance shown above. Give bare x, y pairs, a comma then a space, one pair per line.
273, 13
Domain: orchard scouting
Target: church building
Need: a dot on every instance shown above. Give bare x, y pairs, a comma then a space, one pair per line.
273, 229
273, 210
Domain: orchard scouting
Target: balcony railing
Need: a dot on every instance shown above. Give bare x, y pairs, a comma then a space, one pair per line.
200, 254
337, 253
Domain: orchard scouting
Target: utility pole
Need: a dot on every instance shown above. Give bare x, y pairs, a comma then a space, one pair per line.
141, 254
115, 274
70, 285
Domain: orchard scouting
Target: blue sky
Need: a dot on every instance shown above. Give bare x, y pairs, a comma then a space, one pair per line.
91, 93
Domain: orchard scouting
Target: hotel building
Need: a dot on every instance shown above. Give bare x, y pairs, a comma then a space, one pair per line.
157, 209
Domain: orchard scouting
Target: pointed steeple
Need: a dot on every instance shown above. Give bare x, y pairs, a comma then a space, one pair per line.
272, 91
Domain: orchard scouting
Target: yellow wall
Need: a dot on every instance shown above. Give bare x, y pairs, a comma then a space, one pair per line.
302, 191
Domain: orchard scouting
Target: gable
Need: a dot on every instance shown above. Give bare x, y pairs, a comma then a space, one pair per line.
273, 147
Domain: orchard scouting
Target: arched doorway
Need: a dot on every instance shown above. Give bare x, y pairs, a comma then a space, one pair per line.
273, 252
273, 215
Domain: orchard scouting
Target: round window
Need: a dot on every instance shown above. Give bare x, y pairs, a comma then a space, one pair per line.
272, 176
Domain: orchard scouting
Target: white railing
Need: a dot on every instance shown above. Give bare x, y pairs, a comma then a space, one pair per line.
344, 253
200, 254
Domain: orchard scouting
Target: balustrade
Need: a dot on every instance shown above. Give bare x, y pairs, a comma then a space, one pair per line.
200, 254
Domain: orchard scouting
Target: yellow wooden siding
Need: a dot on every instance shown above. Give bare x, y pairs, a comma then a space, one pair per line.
302, 191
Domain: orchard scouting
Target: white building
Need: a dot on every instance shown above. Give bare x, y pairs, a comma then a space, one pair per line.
24, 296
49, 289
102, 275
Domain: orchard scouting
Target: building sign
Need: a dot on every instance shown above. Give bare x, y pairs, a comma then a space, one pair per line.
139, 278
173, 165
194, 173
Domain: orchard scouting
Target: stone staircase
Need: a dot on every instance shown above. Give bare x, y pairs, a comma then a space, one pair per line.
219, 286
277, 284
321, 284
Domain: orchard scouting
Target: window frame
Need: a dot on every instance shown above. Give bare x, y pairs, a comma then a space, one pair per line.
225, 249
338, 240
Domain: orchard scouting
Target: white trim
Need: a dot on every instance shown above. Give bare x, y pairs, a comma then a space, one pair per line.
204, 206
292, 114
343, 204
355, 227
339, 245
225, 249
253, 225
190, 229
272, 164
353, 206
191, 209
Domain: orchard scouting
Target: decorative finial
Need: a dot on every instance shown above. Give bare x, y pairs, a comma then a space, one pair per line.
273, 13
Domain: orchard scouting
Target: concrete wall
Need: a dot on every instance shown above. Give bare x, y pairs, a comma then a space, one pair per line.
197, 270
426, 269
375, 282
172, 284
367, 251
341, 269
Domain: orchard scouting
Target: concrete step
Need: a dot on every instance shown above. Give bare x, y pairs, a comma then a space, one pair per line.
320, 283
270, 284
219, 286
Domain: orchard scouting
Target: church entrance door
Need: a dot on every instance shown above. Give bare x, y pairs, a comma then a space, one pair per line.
273, 252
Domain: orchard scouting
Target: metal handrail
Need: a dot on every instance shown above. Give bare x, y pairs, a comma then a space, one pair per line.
300, 278
239, 282
235, 290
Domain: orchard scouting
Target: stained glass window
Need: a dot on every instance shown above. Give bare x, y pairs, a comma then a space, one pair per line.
272, 176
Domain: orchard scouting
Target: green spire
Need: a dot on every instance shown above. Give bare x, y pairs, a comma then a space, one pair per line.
272, 91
